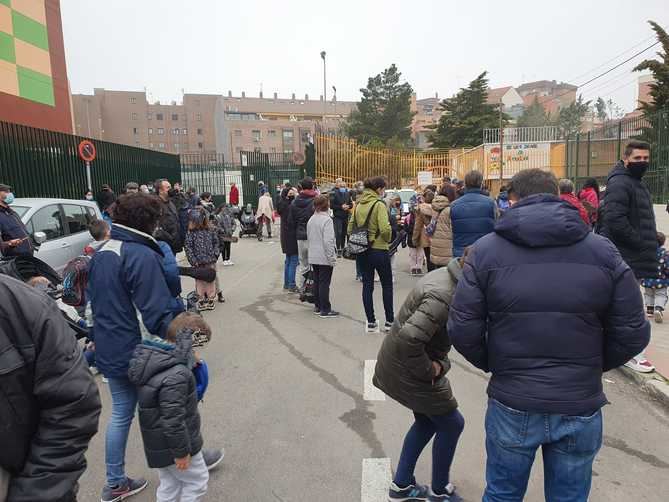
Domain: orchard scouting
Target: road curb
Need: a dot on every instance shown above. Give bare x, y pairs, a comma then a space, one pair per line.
653, 383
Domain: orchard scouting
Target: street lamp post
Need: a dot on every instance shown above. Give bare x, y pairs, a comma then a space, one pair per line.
325, 89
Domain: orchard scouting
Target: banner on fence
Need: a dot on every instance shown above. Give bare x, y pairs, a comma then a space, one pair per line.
517, 156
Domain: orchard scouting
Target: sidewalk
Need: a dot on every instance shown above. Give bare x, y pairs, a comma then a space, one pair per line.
658, 349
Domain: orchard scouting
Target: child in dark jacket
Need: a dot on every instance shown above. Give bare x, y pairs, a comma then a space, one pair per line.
168, 411
655, 289
202, 250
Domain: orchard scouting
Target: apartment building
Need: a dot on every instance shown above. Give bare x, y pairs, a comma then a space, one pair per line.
127, 117
552, 95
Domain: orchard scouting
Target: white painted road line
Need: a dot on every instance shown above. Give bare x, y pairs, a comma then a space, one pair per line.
371, 393
376, 477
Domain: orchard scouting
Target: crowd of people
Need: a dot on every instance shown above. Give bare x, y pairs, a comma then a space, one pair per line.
486, 259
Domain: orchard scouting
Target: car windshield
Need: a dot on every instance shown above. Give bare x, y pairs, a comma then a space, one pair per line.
20, 210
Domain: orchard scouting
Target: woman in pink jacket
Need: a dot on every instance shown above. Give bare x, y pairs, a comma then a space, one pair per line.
589, 197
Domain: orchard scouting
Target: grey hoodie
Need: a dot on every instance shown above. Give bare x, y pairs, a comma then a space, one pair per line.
321, 239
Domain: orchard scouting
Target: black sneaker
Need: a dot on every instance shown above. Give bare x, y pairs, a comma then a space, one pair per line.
372, 327
449, 495
123, 491
220, 298
212, 457
293, 289
329, 315
410, 493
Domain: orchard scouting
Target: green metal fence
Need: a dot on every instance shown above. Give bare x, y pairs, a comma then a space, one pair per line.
274, 169
593, 154
209, 173
41, 163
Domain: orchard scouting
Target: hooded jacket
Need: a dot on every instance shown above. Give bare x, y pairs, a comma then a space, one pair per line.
129, 297
379, 230
49, 402
472, 216
418, 336
167, 400
441, 243
546, 306
570, 198
301, 210
628, 219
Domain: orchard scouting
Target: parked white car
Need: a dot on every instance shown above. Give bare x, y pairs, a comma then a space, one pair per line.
58, 227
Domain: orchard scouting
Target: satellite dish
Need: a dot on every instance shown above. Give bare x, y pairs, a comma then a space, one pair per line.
298, 158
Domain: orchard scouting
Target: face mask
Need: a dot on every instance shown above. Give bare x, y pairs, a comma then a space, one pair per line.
171, 192
89, 197
637, 169
145, 190
9, 198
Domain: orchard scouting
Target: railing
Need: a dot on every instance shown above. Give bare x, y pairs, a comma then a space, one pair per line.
41, 163
523, 135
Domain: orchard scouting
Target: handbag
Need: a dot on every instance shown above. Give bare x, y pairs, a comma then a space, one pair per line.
358, 241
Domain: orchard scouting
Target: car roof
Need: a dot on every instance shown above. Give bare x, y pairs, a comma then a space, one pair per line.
40, 202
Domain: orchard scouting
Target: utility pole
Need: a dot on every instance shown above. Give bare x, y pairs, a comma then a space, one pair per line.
325, 90
501, 143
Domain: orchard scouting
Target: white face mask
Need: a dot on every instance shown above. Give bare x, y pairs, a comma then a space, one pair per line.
89, 197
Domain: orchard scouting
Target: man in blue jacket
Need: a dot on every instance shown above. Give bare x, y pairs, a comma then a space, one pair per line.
472, 215
130, 301
546, 306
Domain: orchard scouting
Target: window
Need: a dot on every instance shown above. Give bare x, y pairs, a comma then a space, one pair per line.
161, 131
184, 131
271, 133
134, 130
304, 135
133, 101
134, 116
288, 134
273, 150
161, 146
159, 116
199, 131
256, 135
175, 117
149, 115
75, 218
150, 130
200, 145
91, 215
47, 220
198, 117
176, 146
175, 131
238, 132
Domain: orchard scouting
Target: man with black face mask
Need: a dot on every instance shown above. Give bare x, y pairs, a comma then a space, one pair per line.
628, 220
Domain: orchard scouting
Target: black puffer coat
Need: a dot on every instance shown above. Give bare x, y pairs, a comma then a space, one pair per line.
404, 365
49, 403
628, 220
288, 238
167, 399
169, 222
301, 210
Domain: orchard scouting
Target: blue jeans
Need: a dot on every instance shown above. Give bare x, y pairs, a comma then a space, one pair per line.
124, 403
446, 430
568, 444
289, 269
370, 261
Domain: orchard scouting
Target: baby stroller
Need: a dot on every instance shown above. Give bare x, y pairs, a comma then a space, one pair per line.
26, 267
249, 225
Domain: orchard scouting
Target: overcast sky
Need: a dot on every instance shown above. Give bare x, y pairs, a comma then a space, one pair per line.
210, 46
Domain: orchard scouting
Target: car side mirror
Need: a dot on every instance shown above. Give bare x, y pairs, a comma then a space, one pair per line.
39, 237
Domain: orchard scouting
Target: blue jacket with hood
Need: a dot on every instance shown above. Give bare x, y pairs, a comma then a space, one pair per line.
546, 306
129, 297
472, 216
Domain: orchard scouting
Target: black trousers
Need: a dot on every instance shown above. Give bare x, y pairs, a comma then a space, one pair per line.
225, 250
341, 227
322, 279
430, 265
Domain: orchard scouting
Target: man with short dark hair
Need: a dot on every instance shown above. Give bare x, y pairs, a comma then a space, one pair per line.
546, 306
14, 238
131, 187
473, 214
301, 210
628, 220
169, 219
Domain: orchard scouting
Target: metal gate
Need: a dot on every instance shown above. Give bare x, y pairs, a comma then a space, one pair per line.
273, 169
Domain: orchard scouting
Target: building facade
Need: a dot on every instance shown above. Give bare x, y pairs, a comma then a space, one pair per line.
34, 88
553, 96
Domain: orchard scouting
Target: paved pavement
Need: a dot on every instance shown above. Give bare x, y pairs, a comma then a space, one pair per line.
290, 403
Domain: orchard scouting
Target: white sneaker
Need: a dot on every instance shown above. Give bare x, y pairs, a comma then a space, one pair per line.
372, 327
105, 379
640, 364
659, 316
230, 263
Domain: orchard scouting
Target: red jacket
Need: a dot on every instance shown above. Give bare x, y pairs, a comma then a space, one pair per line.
571, 199
592, 198
234, 196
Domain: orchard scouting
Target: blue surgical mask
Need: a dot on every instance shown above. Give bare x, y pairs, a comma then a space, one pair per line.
342, 190
9, 198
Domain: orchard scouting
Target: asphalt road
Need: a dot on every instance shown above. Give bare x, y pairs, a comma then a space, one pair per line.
287, 401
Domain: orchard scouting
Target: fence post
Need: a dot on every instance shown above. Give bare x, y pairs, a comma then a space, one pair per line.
620, 139
578, 148
589, 154
567, 159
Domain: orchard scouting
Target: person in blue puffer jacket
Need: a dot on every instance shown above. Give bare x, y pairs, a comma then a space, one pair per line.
545, 306
473, 214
